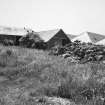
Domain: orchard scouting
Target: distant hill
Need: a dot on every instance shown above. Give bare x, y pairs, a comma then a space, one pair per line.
13, 30
101, 42
71, 36
89, 37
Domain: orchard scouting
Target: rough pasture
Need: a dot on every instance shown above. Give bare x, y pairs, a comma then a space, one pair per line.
38, 78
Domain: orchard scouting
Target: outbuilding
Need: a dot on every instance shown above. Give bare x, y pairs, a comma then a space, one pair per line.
11, 34
55, 37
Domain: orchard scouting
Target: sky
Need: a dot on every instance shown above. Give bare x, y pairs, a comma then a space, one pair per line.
73, 16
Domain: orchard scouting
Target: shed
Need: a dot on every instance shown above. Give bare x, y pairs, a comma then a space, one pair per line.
11, 33
54, 37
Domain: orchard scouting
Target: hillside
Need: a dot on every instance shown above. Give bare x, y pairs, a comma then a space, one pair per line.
37, 78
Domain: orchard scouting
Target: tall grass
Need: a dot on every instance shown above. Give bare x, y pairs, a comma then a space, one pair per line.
39, 74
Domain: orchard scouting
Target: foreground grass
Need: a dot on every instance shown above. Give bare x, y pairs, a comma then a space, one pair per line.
36, 74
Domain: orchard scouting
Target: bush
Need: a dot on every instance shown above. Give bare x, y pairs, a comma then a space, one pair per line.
32, 40
86, 52
57, 50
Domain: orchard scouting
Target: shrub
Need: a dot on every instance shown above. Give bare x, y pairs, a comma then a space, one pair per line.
32, 40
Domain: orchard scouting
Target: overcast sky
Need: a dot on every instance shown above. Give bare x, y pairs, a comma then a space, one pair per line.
74, 16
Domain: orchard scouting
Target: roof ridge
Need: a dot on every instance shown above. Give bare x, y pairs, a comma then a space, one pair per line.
50, 30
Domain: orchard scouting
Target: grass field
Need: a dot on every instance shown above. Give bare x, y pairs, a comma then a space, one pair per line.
32, 77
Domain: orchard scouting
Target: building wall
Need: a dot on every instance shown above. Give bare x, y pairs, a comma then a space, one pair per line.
59, 39
14, 38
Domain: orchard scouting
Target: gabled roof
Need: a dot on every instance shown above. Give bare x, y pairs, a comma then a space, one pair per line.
89, 37
12, 31
47, 35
